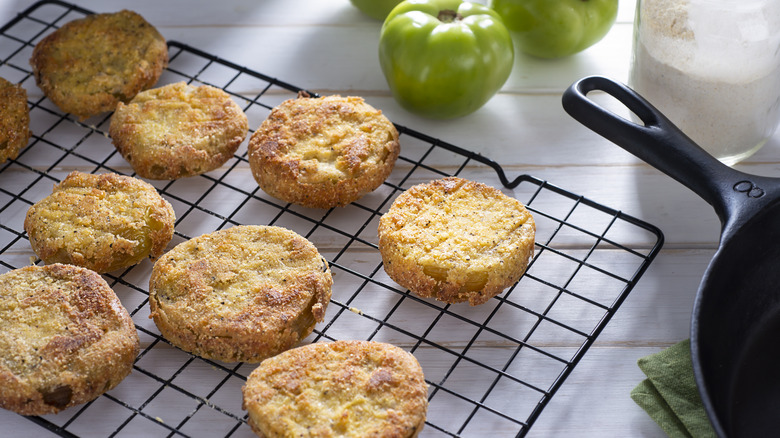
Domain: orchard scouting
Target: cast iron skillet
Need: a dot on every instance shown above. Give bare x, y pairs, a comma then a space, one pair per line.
735, 327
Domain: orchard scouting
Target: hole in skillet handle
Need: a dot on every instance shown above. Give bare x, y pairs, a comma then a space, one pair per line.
657, 141
603, 121
591, 114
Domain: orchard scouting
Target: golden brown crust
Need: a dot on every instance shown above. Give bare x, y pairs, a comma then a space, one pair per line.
456, 240
14, 120
178, 130
240, 294
64, 338
323, 152
346, 388
101, 222
90, 64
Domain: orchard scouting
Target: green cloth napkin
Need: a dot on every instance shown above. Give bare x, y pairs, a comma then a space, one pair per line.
669, 394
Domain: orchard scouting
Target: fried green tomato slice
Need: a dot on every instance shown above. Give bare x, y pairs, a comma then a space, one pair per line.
89, 65
344, 388
456, 240
102, 222
14, 120
241, 294
65, 338
178, 130
323, 152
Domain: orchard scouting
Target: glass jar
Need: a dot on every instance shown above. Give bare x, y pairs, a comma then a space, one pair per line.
713, 68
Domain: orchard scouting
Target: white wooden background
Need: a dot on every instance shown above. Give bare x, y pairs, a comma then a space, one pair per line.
329, 47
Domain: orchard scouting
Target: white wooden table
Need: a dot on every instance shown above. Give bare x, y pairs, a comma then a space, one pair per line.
329, 47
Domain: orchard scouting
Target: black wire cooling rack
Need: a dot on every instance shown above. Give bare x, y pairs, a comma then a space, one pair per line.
491, 369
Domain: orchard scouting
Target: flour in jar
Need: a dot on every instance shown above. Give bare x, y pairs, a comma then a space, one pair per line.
713, 68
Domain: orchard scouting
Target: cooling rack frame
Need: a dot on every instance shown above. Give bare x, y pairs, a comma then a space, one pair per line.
569, 257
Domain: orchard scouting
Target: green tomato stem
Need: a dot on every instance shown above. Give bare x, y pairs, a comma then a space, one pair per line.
448, 16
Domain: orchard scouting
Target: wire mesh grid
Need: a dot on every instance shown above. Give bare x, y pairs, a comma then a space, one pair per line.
491, 369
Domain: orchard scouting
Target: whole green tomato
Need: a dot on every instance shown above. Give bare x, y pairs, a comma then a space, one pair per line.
556, 28
377, 9
444, 58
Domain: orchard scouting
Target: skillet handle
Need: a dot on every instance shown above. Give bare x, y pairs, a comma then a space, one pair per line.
658, 142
